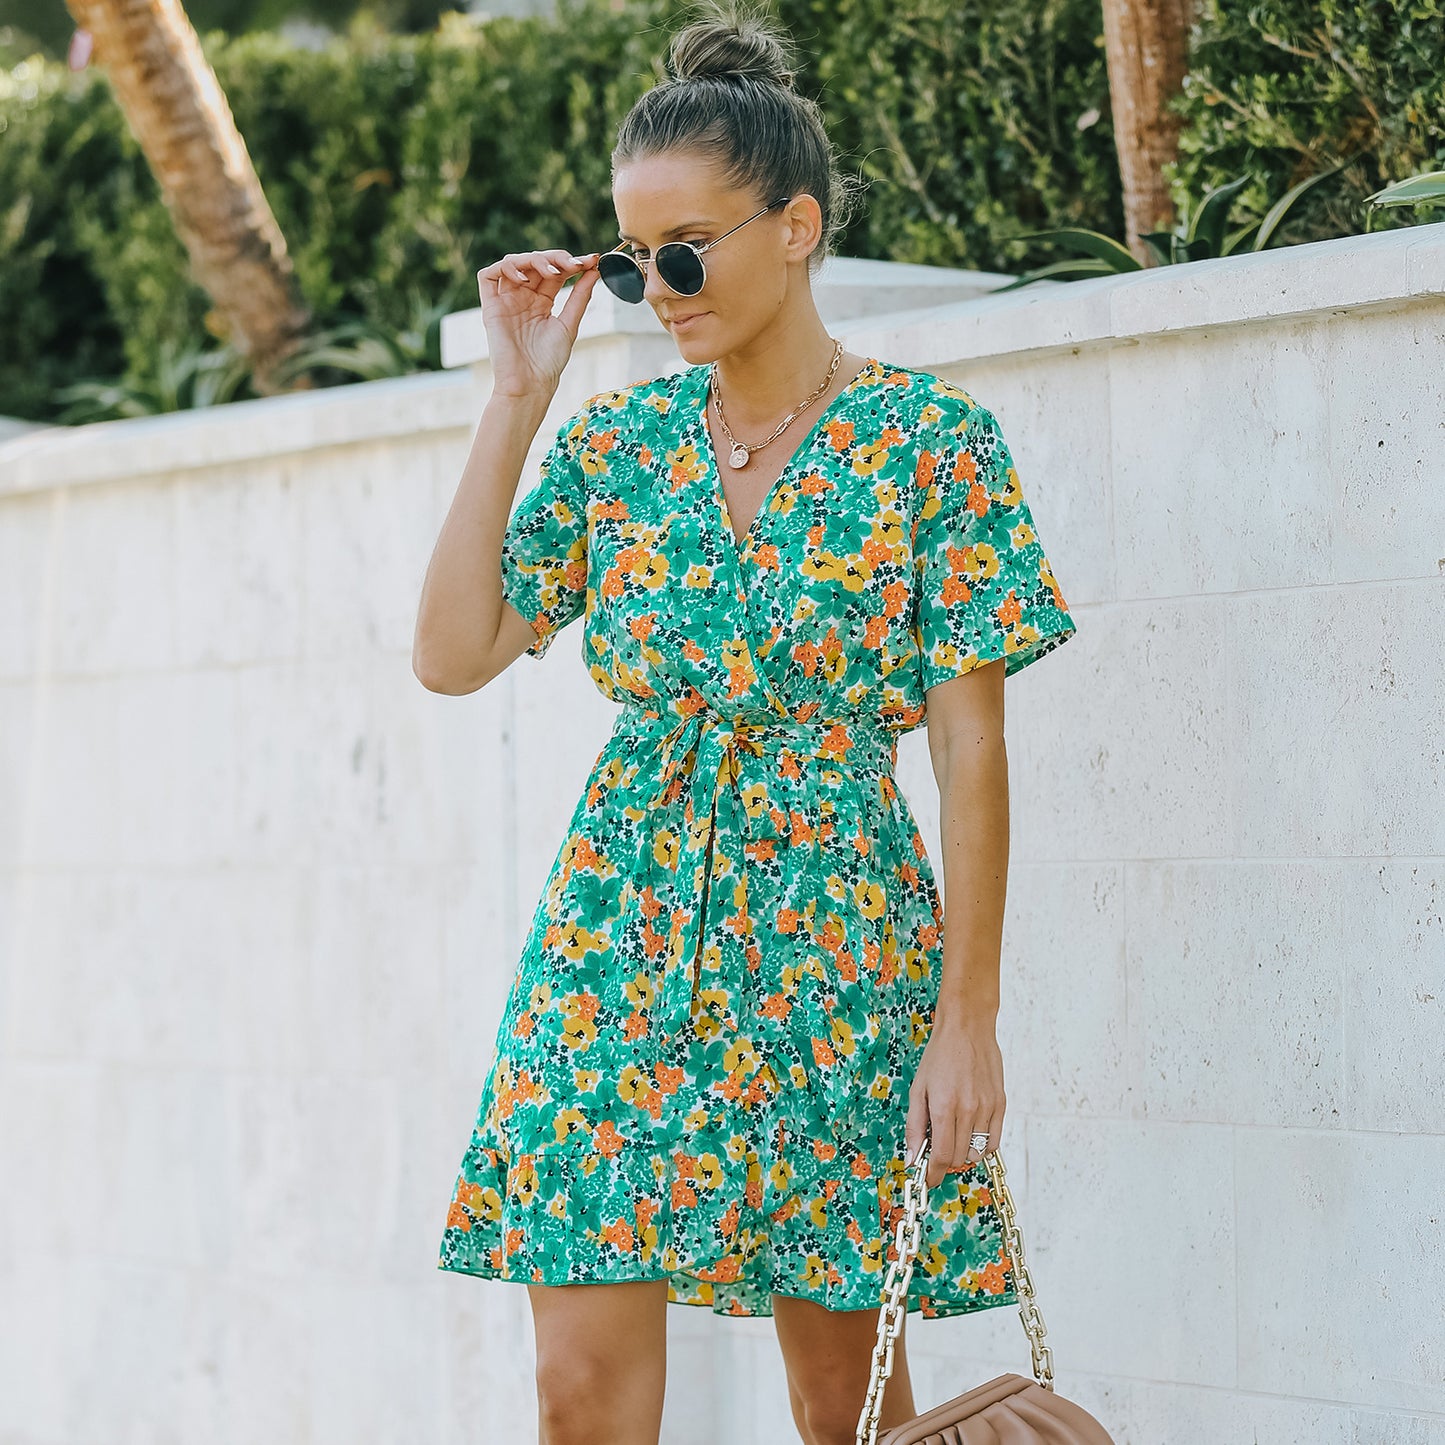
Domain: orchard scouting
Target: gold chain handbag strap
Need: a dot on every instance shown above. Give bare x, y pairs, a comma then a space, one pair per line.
893, 1310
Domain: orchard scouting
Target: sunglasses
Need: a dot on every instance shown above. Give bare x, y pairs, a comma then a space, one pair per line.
679, 263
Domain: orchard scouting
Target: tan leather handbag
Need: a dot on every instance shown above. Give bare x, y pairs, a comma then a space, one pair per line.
1010, 1409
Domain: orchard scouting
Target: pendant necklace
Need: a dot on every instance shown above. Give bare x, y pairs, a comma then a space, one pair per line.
741, 451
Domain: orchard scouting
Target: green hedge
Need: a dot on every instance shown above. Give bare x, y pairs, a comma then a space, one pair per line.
1283, 88
397, 166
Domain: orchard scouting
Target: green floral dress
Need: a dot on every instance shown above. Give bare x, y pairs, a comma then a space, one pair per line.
703, 1064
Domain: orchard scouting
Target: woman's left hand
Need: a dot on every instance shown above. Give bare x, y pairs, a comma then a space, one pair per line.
957, 1091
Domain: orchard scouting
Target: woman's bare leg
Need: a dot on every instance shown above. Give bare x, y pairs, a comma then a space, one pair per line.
827, 1354
601, 1362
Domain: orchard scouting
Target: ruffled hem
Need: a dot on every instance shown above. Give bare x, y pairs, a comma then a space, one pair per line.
725, 1231
749, 1297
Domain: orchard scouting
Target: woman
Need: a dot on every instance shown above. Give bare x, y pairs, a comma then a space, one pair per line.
738, 1012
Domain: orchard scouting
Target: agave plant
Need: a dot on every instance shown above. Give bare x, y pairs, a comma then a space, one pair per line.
368, 351
189, 376
1427, 189
1203, 236
194, 376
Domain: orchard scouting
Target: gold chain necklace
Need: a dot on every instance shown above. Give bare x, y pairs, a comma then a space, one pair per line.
741, 451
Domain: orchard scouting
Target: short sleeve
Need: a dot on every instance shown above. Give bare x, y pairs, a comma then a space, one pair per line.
544, 549
985, 589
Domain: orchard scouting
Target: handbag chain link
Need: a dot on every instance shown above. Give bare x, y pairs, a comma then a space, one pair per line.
893, 1310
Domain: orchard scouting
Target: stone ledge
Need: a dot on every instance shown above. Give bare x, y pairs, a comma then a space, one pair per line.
1380, 271
239, 431
918, 316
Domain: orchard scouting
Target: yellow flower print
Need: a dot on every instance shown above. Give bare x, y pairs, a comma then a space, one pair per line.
639, 991
733, 654
1022, 636
869, 456
930, 1261
982, 562
524, 1181
948, 1209
633, 1084
697, 576
715, 1000
871, 897
814, 1273
578, 941
1021, 535
852, 573
566, 1121
666, 849
685, 464
818, 1213
740, 1055
940, 387
579, 1032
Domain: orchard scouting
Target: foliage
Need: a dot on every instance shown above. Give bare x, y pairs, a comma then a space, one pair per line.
969, 120
399, 165
1203, 235
1280, 89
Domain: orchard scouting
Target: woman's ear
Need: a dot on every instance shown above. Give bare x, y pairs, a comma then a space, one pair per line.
804, 226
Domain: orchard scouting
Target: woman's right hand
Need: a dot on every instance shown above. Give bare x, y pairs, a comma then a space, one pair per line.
529, 346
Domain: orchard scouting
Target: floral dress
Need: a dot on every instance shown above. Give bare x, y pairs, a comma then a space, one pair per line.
703, 1064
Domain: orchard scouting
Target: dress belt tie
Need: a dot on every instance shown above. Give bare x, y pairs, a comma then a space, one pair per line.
700, 765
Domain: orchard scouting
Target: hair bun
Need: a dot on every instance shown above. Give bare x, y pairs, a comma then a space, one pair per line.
732, 45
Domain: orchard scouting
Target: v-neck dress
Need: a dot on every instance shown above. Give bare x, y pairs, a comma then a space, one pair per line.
702, 1069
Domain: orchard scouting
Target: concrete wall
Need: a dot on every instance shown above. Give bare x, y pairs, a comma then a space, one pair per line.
261, 893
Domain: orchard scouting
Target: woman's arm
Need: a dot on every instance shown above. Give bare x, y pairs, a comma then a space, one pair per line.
966, 745
466, 633
959, 1086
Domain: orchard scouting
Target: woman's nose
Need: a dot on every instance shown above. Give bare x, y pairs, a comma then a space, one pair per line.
657, 290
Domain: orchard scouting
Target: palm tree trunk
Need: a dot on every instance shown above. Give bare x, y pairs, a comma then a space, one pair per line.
179, 116
1146, 49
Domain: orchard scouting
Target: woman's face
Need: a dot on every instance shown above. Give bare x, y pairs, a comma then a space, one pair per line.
676, 197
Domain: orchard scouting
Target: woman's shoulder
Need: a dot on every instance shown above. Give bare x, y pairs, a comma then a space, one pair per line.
931, 404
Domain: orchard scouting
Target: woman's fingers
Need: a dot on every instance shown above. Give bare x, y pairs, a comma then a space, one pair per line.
943, 1129
526, 268
572, 309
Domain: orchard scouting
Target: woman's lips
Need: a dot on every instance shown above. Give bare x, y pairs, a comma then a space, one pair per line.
683, 322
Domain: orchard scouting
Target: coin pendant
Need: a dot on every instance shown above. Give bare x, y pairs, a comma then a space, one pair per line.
738, 457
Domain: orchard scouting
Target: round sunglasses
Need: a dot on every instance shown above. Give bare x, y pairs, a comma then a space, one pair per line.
679, 263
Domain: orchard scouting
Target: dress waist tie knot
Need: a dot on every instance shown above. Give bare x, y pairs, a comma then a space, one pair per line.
704, 761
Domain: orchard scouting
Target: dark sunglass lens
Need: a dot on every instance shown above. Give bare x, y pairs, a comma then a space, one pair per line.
681, 267
621, 275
